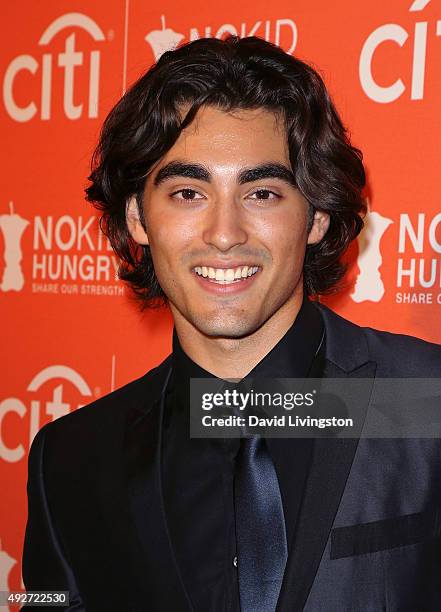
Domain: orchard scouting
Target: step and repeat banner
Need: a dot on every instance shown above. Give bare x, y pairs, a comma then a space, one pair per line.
70, 331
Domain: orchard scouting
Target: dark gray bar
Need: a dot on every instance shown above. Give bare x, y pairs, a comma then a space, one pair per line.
316, 408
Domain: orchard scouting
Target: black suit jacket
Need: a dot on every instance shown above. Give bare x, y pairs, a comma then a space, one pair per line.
369, 525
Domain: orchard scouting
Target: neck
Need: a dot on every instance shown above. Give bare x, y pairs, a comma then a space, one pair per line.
234, 357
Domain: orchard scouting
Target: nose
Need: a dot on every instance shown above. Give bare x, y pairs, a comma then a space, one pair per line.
225, 226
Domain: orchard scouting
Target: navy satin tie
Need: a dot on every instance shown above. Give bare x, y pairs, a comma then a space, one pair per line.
260, 527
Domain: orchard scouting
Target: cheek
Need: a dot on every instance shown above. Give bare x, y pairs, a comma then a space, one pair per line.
285, 238
167, 233
169, 243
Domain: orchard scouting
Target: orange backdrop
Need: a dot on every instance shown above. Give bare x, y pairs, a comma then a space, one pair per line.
70, 332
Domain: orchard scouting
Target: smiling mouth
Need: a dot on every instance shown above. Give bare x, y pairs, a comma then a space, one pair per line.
226, 276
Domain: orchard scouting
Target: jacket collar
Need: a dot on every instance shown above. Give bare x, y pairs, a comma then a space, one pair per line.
346, 344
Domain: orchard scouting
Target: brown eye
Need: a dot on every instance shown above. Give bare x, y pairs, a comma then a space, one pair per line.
186, 194
264, 194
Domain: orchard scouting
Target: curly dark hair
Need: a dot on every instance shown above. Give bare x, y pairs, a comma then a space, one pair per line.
230, 74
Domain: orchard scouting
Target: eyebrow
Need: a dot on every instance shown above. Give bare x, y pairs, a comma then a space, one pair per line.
247, 175
268, 170
187, 170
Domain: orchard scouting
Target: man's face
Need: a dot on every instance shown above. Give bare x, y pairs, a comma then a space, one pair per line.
226, 226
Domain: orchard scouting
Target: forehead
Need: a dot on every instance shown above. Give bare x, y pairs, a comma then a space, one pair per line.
242, 137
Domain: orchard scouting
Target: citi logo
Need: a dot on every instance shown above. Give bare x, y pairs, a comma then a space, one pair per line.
395, 33
53, 392
53, 378
43, 67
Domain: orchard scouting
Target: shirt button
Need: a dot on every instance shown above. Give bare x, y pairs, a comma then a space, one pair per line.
235, 561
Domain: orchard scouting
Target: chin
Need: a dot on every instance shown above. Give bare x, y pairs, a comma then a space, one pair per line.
225, 326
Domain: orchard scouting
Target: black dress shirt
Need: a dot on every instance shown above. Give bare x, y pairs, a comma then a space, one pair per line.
198, 473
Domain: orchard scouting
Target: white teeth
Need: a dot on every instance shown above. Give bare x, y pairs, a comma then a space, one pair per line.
226, 275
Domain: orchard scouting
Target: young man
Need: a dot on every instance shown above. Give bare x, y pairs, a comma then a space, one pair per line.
229, 190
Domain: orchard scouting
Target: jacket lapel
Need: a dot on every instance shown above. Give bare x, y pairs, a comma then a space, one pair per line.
142, 462
346, 356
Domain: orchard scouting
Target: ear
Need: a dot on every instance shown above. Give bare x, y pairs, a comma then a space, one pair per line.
320, 225
134, 224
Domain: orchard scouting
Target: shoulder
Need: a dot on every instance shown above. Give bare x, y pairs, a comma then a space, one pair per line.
395, 354
408, 355
103, 418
